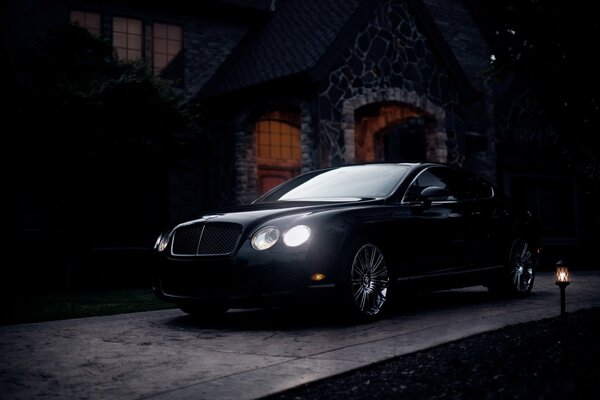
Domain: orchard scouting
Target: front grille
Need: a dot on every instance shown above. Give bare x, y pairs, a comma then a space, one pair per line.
206, 239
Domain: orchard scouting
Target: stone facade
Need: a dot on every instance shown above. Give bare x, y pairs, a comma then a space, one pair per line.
390, 60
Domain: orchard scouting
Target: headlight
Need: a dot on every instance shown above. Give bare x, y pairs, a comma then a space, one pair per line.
296, 236
265, 237
162, 242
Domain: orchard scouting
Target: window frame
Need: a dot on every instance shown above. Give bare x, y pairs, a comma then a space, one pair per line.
153, 45
142, 36
462, 174
281, 161
85, 14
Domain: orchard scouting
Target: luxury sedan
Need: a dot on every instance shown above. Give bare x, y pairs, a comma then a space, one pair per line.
350, 236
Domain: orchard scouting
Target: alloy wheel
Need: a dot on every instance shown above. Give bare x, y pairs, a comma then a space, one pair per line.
369, 280
522, 263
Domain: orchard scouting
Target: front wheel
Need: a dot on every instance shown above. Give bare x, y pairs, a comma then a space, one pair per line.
519, 272
366, 282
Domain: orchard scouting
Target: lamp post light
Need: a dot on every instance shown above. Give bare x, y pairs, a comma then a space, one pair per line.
563, 279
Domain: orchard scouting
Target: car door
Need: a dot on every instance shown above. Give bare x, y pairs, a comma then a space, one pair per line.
485, 215
434, 227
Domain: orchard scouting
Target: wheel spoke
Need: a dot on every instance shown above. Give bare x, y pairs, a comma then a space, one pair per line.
377, 263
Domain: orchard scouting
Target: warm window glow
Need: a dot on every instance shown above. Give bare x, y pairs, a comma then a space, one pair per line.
87, 20
278, 136
278, 147
167, 44
127, 38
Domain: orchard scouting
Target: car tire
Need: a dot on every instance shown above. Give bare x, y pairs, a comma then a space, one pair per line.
364, 283
518, 274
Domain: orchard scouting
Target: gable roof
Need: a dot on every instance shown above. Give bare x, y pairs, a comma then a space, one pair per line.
460, 30
293, 40
306, 36
265, 5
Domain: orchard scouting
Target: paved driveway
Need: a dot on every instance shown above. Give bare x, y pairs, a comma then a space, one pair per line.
251, 353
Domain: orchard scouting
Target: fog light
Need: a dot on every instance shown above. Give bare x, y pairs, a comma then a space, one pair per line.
317, 277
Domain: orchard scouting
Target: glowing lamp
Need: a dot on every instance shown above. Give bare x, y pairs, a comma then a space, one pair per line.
562, 273
563, 279
317, 277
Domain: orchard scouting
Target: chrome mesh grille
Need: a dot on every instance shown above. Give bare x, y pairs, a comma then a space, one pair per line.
210, 239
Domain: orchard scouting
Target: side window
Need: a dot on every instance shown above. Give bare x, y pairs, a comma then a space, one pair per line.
461, 185
429, 177
477, 188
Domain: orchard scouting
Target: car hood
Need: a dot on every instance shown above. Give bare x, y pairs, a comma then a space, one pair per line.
259, 213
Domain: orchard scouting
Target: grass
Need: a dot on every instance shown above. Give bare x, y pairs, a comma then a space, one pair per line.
77, 304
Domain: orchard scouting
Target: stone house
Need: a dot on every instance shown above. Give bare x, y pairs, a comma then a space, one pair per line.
292, 85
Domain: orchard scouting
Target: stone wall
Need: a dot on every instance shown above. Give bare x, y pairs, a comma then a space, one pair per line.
390, 60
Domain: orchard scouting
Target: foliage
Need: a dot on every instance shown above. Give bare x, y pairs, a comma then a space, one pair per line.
550, 44
77, 304
94, 142
96, 104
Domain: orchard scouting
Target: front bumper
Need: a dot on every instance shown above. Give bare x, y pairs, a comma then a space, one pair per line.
246, 279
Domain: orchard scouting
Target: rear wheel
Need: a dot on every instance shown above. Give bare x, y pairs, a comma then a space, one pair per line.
519, 273
366, 282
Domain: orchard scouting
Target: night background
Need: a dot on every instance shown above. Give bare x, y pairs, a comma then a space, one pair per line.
122, 118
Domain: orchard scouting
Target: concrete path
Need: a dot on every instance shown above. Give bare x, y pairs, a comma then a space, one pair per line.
252, 353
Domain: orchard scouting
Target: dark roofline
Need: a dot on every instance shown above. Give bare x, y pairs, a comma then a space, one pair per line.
430, 29
302, 83
228, 10
345, 37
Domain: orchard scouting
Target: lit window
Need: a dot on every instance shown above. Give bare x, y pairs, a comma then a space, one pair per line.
87, 20
127, 38
278, 145
167, 45
278, 136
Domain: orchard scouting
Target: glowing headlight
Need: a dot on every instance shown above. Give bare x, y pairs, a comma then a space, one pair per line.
162, 242
296, 236
265, 237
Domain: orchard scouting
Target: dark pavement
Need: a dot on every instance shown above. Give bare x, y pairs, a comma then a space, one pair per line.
249, 353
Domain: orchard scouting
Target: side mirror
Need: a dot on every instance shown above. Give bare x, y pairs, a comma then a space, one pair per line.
432, 193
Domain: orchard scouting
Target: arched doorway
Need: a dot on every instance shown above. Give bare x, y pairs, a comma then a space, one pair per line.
278, 148
403, 141
391, 132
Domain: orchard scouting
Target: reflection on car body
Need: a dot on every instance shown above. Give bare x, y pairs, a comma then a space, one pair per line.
350, 235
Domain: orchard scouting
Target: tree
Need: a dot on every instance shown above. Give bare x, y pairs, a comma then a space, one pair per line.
95, 139
551, 44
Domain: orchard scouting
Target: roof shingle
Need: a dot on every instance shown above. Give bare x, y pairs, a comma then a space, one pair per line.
292, 40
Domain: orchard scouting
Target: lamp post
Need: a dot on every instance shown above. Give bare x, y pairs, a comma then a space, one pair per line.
562, 281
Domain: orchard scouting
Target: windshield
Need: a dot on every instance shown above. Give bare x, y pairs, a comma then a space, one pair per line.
342, 184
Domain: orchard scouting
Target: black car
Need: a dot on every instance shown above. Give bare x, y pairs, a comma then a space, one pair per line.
350, 236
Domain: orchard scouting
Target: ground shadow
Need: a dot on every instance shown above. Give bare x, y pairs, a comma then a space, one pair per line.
326, 316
